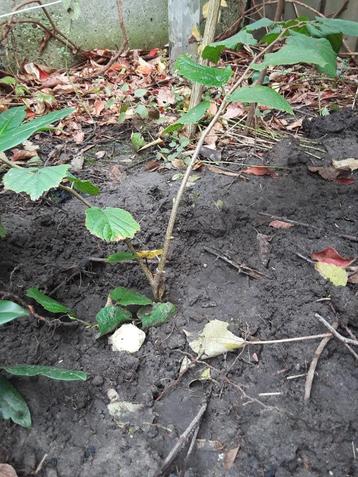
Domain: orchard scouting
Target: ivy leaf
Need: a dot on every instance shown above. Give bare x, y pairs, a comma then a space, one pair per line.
262, 23
336, 275
156, 315
111, 224
18, 134
10, 311
48, 303
110, 317
51, 372
13, 405
207, 75
34, 181
193, 116
303, 49
84, 186
126, 297
212, 52
262, 95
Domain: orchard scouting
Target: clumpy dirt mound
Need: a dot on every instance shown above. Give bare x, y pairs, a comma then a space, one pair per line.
255, 397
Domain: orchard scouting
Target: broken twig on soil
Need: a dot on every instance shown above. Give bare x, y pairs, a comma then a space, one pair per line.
182, 440
346, 341
314, 362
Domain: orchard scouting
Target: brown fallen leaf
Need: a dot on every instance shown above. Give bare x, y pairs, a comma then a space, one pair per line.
264, 248
7, 470
229, 457
279, 224
295, 125
165, 97
22, 154
328, 173
116, 173
259, 171
233, 111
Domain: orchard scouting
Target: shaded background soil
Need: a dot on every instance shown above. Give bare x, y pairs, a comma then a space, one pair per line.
278, 435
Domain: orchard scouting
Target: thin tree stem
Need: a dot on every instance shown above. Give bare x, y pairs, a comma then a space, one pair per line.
159, 276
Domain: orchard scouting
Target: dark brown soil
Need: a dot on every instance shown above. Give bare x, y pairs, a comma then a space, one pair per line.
278, 435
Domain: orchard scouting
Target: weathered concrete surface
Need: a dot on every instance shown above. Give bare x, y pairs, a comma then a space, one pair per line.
97, 27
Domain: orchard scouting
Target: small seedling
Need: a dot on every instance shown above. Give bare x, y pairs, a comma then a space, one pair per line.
12, 404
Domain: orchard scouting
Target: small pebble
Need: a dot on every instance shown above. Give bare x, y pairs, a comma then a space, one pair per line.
97, 381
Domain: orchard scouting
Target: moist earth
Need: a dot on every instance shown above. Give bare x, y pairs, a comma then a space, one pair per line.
277, 434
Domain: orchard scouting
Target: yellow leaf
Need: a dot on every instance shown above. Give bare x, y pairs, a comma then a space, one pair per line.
196, 33
149, 254
337, 275
205, 375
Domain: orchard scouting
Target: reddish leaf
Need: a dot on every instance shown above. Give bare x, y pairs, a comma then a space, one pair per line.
259, 171
152, 54
22, 155
279, 224
345, 180
330, 255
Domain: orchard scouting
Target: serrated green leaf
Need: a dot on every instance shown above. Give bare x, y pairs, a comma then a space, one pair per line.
110, 317
2, 231
20, 133
111, 224
137, 141
10, 311
13, 405
9, 80
34, 181
126, 297
262, 95
336, 275
11, 119
48, 303
157, 314
302, 49
120, 257
212, 52
84, 186
193, 116
337, 25
51, 372
206, 75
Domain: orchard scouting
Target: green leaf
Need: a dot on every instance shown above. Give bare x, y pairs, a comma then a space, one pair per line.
212, 52
192, 71
262, 23
139, 93
336, 275
10, 311
193, 116
110, 317
84, 186
337, 25
121, 257
48, 371
2, 231
156, 315
262, 95
111, 224
126, 297
142, 111
137, 141
9, 80
11, 119
13, 405
48, 303
19, 134
302, 49
34, 181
